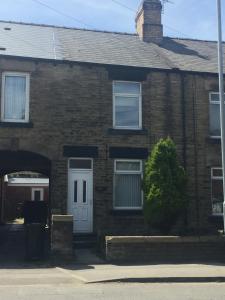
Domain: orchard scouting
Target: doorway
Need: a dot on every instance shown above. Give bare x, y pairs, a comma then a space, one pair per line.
80, 194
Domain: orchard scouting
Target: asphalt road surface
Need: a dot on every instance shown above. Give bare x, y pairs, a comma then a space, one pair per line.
212, 291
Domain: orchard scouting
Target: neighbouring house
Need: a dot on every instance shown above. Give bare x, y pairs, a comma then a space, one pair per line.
85, 107
19, 189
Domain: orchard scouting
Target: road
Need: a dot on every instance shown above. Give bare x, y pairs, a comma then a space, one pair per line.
77, 291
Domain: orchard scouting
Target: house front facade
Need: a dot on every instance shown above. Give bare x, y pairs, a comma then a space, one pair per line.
86, 107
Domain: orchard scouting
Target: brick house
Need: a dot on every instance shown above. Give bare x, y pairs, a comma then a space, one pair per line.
85, 108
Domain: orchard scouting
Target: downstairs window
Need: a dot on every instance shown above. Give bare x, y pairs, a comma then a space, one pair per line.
127, 184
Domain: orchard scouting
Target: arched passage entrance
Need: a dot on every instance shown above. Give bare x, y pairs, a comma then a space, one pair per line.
15, 161
20, 161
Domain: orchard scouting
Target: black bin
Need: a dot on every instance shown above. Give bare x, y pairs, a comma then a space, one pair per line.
35, 220
35, 241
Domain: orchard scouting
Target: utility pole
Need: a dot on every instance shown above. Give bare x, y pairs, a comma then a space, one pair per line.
222, 98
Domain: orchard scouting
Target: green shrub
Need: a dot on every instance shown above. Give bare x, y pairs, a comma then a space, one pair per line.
164, 187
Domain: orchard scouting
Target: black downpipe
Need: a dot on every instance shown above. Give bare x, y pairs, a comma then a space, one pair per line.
183, 107
197, 204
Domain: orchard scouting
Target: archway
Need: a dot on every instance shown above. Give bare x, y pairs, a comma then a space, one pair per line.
15, 162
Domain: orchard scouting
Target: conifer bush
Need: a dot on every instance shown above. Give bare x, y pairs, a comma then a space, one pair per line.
164, 187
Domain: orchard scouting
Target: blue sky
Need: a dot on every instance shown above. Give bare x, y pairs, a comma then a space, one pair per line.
183, 18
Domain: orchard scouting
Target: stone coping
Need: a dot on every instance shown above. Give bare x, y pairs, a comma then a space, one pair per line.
163, 239
62, 218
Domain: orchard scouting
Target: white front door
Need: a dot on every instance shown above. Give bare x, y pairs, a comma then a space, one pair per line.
80, 202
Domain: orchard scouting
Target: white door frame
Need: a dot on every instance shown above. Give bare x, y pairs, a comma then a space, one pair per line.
69, 203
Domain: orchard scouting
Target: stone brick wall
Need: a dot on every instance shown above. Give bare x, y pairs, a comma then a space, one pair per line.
148, 22
165, 249
71, 104
62, 237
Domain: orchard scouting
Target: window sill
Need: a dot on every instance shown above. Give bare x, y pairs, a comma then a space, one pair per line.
16, 125
126, 212
114, 131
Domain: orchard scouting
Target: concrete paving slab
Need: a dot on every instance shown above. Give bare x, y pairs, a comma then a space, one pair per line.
26, 277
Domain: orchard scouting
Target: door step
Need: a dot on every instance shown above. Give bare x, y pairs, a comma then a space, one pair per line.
82, 241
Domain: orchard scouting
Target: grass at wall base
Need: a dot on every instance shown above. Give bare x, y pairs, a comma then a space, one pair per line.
164, 187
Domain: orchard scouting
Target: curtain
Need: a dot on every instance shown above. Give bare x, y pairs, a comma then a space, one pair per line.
127, 111
15, 98
128, 190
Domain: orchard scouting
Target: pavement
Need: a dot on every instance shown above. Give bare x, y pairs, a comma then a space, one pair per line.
165, 273
74, 274
87, 268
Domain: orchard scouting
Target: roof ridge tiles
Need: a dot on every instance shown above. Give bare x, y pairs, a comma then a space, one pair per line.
101, 31
66, 27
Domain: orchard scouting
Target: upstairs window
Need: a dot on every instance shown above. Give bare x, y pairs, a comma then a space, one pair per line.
214, 113
15, 97
127, 184
127, 105
217, 191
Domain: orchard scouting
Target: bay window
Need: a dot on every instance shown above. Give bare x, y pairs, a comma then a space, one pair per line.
15, 97
127, 106
127, 184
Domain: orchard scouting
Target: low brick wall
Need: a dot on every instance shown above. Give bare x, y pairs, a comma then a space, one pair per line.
165, 249
62, 236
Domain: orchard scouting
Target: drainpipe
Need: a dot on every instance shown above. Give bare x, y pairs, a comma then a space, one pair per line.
2, 199
183, 107
222, 107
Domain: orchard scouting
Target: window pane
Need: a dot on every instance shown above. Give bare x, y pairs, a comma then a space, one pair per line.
214, 119
127, 88
127, 166
80, 164
84, 191
128, 190
127, 111
217, 196
75, 191
15, 97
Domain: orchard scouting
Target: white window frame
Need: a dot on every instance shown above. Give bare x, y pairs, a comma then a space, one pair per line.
140, 172
139, 127
15, 74
41, 190
214, 103
215, 178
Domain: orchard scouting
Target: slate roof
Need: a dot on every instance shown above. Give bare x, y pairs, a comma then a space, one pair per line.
110, 48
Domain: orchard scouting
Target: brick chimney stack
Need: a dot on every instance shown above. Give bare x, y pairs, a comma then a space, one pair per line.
149, 21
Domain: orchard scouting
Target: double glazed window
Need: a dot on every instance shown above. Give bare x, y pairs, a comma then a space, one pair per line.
127, 112
217, 191
214, 100
127, 184
15, 97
